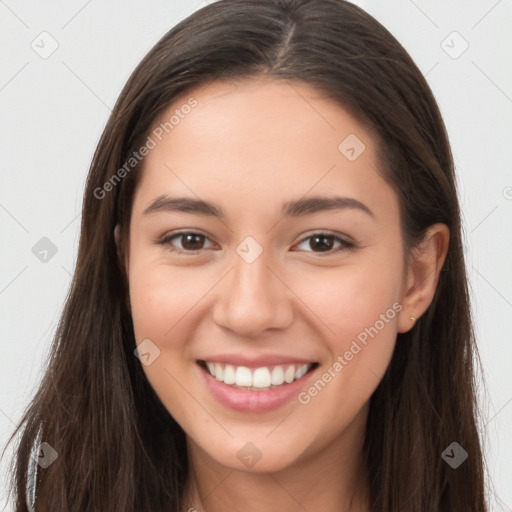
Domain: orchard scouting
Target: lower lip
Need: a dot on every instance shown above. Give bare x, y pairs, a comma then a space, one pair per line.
254, 401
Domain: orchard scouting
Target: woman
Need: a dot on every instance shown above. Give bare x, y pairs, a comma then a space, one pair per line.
269, 309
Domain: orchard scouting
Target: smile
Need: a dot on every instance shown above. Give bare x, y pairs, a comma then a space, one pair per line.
264, 378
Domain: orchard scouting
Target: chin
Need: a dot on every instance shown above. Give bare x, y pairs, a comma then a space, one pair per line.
255, 456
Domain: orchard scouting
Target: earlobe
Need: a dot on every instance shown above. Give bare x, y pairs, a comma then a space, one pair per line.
117, 233
425, 264
117, 239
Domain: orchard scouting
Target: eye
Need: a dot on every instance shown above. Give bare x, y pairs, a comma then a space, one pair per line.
324, 242
191, 241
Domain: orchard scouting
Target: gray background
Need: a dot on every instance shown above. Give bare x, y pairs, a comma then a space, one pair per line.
53, 110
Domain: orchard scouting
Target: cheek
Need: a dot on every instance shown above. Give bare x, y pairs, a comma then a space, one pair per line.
349, 299
360, 307
161, 298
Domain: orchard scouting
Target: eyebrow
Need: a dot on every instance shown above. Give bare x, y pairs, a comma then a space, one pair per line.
296, 208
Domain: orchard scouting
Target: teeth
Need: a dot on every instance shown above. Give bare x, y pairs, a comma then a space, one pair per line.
289, 374
219, 373
300, 371
277, 376
259, 378
229, 374
243, 376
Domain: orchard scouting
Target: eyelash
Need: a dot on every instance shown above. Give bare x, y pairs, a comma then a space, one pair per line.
345, 244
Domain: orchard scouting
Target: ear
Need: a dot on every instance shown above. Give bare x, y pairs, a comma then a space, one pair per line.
117, 238
422, 274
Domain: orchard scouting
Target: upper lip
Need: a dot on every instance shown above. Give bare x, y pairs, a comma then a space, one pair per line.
255, 361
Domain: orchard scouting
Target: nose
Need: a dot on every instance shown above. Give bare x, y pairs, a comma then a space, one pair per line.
251, 299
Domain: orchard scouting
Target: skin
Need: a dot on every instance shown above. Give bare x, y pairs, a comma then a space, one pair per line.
249, 147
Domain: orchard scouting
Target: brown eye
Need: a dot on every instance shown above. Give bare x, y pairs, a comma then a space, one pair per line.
325, 243
192, 242
321, 242
189, 242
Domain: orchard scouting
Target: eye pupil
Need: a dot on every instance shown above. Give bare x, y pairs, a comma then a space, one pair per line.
192, 239
314, 243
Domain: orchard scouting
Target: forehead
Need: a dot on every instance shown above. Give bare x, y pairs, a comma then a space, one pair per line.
260, 141
281, 114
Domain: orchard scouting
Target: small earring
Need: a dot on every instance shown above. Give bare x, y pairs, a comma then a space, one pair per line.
413, 319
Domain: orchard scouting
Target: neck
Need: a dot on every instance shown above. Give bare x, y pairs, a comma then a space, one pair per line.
334, 479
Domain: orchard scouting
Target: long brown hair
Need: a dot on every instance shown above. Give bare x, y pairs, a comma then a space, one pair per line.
118, 447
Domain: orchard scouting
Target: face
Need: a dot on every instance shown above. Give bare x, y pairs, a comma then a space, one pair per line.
265, 271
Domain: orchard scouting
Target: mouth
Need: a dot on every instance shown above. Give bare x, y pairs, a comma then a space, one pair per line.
257, 379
